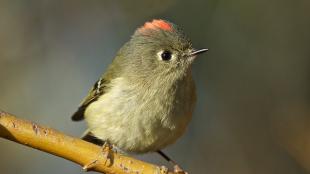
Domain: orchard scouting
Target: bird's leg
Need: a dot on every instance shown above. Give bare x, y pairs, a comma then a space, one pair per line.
176, 167
106, 152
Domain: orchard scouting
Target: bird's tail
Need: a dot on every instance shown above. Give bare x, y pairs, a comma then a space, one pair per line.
88, 136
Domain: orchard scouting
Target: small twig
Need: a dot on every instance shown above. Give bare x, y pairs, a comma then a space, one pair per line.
73, 149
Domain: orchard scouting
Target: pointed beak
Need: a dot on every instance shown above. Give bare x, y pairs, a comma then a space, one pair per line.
196, 52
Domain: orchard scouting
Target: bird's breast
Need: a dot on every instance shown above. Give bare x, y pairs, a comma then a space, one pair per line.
141, 119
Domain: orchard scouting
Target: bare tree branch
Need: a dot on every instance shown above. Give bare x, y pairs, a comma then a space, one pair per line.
73, 149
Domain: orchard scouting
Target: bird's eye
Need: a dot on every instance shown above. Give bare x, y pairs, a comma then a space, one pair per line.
166, 55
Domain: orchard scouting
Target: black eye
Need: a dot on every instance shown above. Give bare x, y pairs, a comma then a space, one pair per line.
166, 55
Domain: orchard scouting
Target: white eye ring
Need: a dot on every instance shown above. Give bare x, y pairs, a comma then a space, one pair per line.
165, 55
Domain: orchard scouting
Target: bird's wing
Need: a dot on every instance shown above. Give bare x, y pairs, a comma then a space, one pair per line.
93, 95
100, 87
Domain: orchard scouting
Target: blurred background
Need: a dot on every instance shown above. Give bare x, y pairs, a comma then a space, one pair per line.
253, 113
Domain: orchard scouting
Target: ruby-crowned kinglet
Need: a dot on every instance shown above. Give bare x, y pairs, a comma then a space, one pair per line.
145, 100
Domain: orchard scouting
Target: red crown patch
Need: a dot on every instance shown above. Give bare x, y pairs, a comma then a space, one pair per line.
157, 24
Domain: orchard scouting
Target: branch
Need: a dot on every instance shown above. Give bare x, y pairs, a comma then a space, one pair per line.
73, 149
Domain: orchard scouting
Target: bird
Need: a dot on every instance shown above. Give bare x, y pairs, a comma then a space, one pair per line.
145, 99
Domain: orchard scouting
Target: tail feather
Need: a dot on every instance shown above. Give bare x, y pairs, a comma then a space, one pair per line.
88, 136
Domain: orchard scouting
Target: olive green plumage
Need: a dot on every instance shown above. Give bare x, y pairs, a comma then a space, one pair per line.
145, 99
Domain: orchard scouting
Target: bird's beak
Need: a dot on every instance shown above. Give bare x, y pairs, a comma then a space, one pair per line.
196, 52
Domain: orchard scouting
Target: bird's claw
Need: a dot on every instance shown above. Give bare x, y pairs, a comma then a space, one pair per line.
106, 153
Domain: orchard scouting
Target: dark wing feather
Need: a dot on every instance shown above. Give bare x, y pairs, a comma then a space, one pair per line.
97, 90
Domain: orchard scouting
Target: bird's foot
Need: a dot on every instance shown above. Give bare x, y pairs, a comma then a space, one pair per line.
179, 170
106, 154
